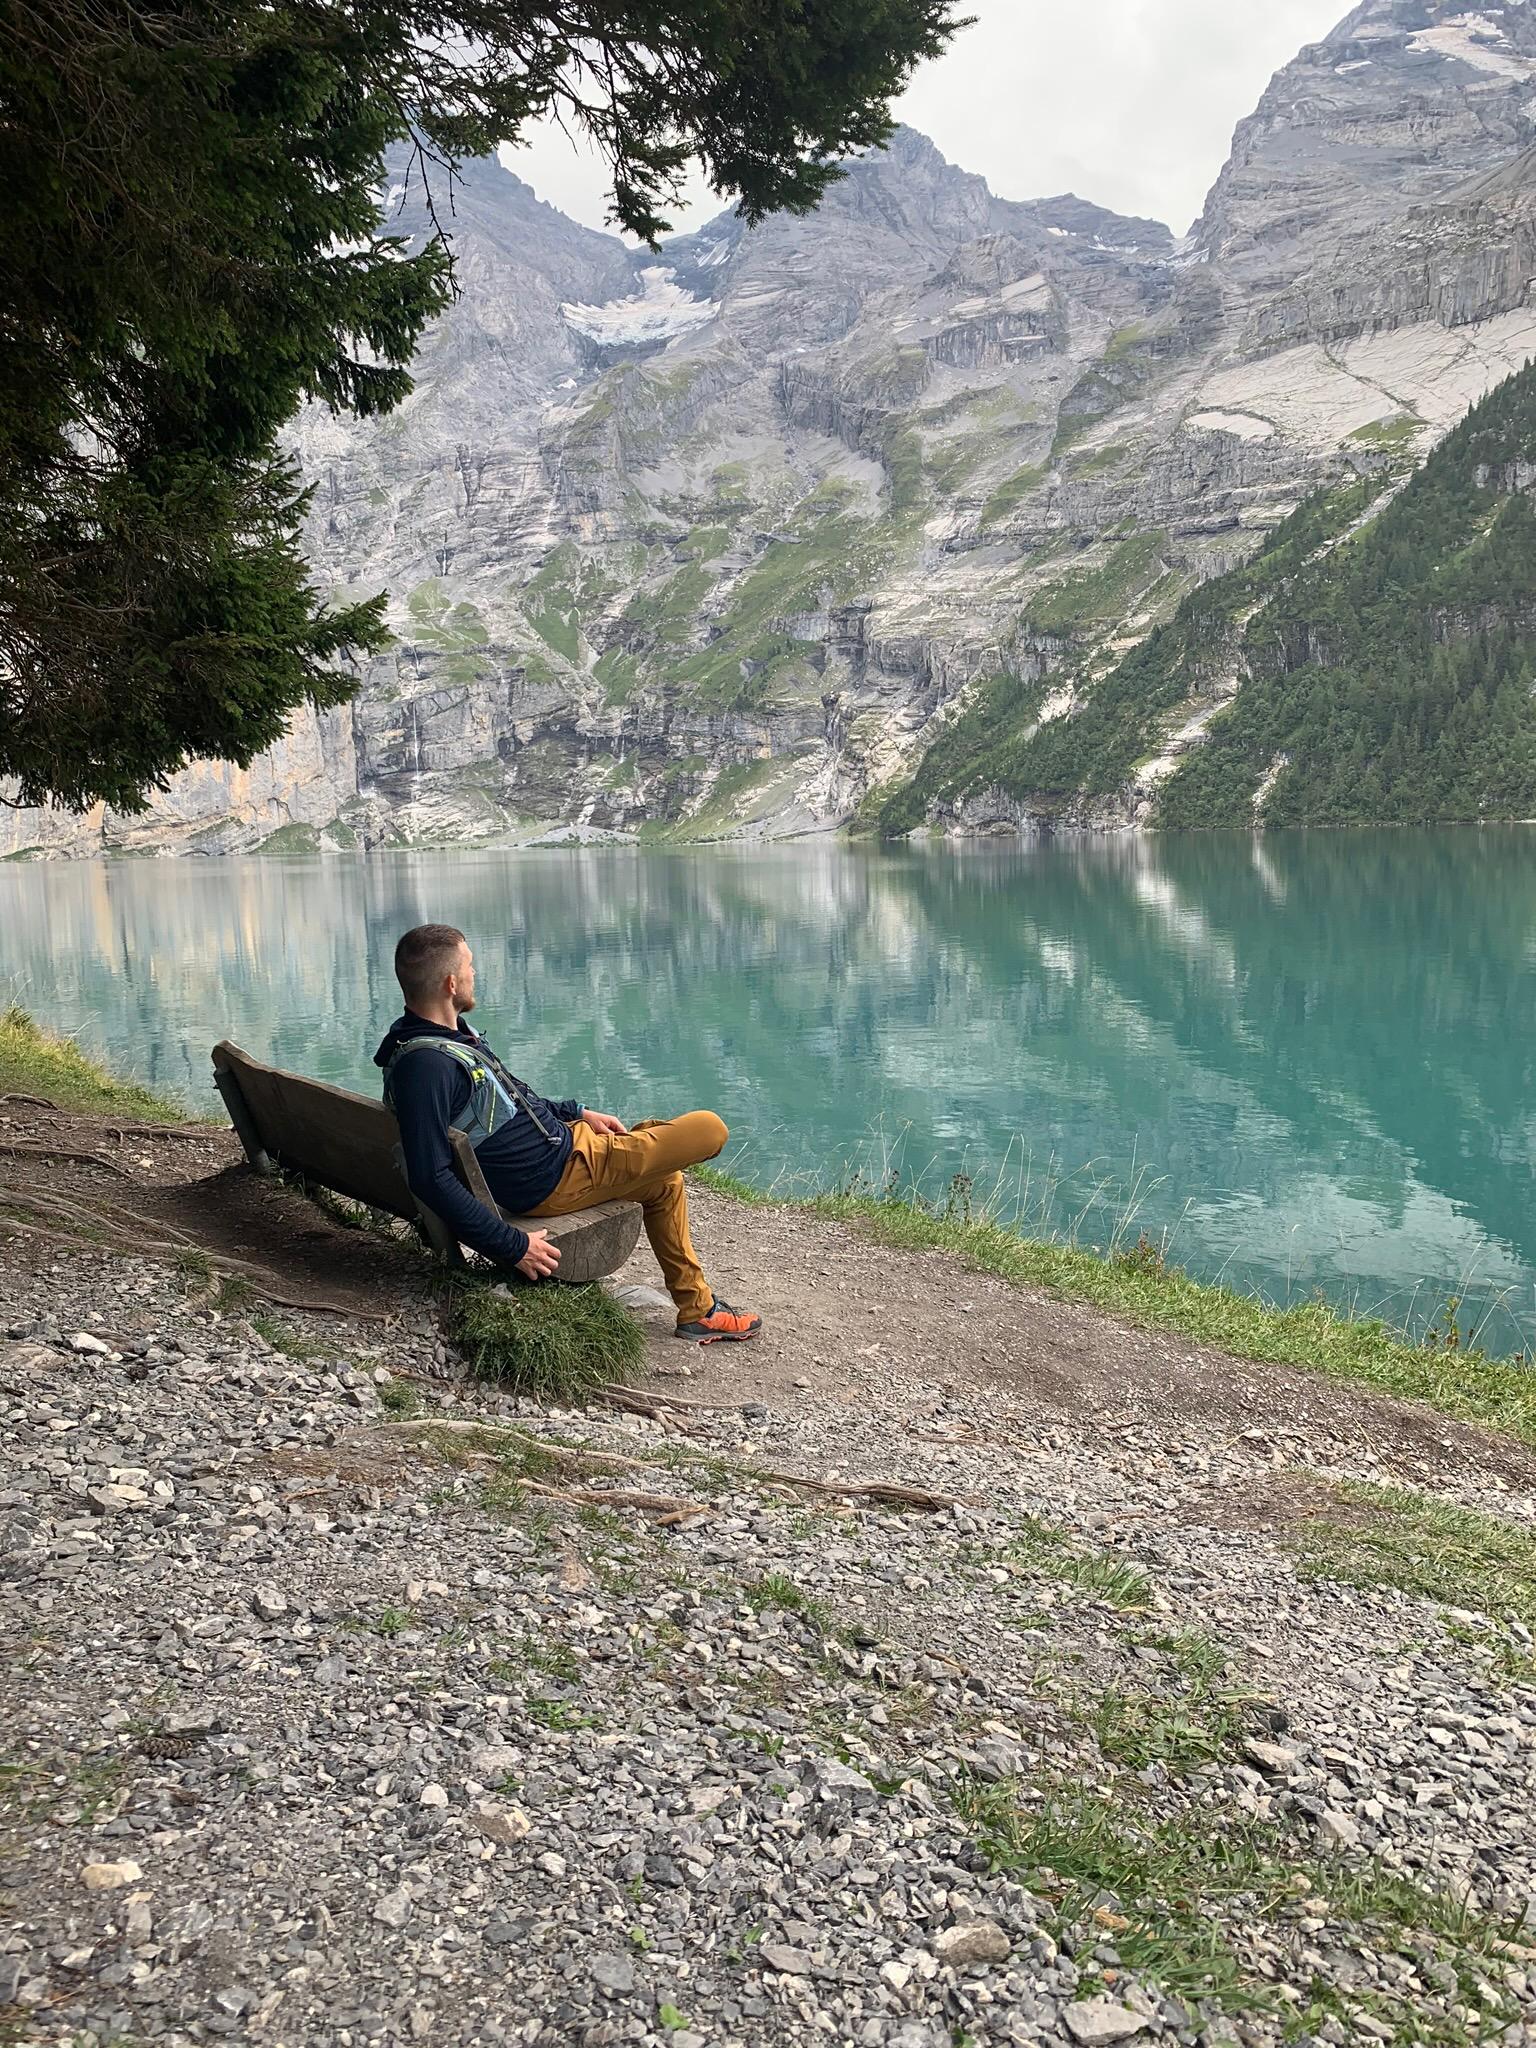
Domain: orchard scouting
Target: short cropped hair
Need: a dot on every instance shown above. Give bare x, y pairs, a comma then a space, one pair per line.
425, 954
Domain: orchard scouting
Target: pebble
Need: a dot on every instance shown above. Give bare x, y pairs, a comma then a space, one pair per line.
503, 1824
107, 1877
974, 1941
1096, 2020
790, 1962
1338, 1829
1272, 1757
394, 1909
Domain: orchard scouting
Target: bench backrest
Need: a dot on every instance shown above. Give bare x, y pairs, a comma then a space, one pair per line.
347, 1142
330, 1135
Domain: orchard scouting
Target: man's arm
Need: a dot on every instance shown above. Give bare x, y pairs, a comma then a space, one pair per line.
428, 1093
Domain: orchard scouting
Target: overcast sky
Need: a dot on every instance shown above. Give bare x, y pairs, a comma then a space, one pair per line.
1128, 102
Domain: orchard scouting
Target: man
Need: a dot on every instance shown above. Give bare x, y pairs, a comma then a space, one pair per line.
539, 1158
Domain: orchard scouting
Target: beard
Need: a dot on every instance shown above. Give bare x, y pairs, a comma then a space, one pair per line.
463, 1003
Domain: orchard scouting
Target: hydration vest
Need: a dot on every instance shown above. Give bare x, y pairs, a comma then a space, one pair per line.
489, 1106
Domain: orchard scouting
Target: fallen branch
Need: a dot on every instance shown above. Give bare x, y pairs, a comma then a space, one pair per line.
887, 1492
671, 1504
30, 1102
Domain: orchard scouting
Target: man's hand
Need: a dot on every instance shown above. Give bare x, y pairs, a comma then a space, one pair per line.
595, 1120
541, 1257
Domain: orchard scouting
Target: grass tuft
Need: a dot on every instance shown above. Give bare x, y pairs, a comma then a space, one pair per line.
549, 1342
38, 1062
781, 1593
284, 1338
1390, 1536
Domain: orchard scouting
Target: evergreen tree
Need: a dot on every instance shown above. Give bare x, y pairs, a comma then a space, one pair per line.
188, 199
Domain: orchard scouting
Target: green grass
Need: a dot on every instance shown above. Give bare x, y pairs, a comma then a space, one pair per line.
38, 1062
1011, 493
400, 1399
284, 1338
1107, 1578
550, 1342
1311, 1336
1401, 431
781, 1593
1101, 459
1157, 1884
1140, 1730
1041, 1547
1101, 595
291, 839
1390, 1536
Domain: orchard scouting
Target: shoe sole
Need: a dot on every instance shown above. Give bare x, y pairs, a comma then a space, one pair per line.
720, 1336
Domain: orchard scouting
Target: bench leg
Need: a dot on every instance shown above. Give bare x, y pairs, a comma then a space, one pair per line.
245, 1126
438, 1235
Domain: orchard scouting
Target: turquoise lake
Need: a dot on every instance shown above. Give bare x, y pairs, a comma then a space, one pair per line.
1305, 1058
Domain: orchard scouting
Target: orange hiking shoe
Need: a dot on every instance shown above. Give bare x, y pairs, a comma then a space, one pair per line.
723, 1324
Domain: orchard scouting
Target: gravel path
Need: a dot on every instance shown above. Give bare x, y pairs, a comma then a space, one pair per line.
324, 1725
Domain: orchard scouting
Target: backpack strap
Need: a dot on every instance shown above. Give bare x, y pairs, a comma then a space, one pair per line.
489, 1105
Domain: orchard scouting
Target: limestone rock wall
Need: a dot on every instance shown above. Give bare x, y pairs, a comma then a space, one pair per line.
714, 540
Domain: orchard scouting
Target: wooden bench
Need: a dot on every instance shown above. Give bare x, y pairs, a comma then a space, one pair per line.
351, 1145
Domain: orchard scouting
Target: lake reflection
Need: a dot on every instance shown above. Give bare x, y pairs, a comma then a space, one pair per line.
1305, 1056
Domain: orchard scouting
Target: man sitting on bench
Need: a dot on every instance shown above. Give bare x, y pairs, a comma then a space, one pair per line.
539, 1158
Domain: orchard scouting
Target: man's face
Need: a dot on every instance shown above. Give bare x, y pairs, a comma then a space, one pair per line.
464, 981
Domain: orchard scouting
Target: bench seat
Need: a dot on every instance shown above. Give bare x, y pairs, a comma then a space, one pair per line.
350, 1144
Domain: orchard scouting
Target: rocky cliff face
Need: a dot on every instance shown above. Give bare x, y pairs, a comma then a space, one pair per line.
721, 540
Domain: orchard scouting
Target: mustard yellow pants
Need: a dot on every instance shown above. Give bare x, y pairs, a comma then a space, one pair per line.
645, 1165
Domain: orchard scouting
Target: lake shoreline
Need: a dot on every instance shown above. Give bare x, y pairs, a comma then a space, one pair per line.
1296, 1064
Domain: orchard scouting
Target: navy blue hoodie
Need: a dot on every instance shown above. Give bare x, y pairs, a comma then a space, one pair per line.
520, 1164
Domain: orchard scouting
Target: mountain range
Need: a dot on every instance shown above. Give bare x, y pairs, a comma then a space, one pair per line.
934, 509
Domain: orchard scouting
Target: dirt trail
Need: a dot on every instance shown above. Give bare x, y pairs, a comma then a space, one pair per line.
844, 1317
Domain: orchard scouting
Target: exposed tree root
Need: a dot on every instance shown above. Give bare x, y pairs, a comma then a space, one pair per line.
119, 1131
104, 1225
25, 1148
659, 1407
188, 1137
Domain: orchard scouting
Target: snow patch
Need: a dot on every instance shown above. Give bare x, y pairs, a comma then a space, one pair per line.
1469, 37
1359, 64
1246, 426
663, 309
